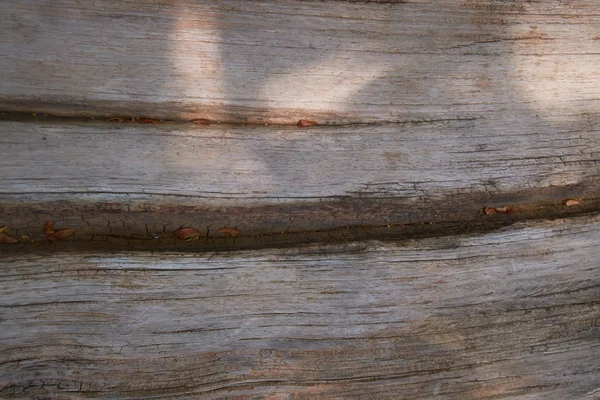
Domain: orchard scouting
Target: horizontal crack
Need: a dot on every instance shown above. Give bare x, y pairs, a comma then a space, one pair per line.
152, 228
128, 120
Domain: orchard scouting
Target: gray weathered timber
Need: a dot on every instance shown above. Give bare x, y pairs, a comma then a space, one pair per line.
265, 179
428, 111
279, 164
278, 61
513, 314
126, 179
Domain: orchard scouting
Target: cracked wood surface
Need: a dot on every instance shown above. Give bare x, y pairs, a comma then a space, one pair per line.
438, 109
144, 182
279, 164
512, 314
280, 61
452, 105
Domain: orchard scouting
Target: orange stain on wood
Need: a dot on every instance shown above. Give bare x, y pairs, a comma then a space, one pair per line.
148, 121
186, 233
231, 231
4, 238
571, 202
303, 123
60, 234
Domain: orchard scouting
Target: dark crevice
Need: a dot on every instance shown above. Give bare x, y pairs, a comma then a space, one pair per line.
138, 235
93, 117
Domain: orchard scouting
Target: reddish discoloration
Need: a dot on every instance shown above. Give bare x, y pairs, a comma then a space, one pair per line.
202, 121
303, 123
502, 210
489, 211
48, 230
60, 234
231, 231
505, 210
186, 233
4, 238
116, 119
571, 202
127, 224
148, 121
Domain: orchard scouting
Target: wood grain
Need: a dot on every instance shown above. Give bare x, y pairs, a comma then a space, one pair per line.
127, 180
513, 314
281, 61
411, 161
427, 112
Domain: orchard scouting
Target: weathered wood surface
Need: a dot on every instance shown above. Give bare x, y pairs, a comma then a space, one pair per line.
451, 106
513, 314
438, 109
278, 61
278, 164
124, 180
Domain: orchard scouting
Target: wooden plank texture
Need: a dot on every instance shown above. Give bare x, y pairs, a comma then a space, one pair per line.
438, 110
428, 112
278, 61
513, 314
126, 179
275, 164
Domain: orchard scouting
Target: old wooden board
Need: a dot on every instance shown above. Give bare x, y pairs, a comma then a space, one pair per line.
376, 257
512, 314
279, 61
276, 164
131, 180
